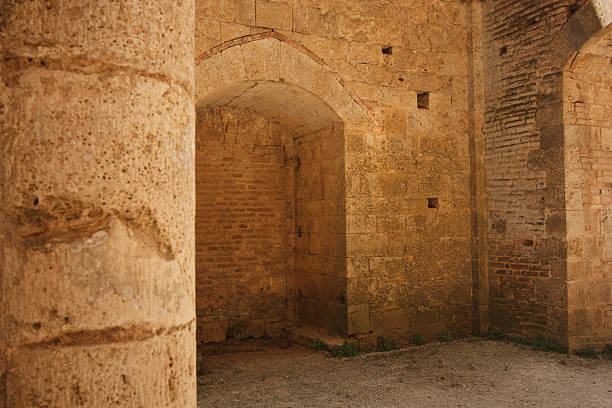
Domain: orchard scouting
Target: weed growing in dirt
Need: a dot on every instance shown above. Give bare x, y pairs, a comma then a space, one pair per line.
318, 344
495, 334
345, 350
445, 337
539, 344
587, 352
418, 339
385, 344
607, 352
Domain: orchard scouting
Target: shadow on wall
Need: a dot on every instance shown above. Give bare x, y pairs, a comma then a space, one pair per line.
270, 212
587, 103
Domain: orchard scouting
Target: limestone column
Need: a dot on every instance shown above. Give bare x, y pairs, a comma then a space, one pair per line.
97, 204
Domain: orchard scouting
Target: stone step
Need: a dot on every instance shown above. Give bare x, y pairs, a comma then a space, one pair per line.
306, 335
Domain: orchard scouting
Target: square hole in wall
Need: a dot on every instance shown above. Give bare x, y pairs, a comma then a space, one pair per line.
432, 203
503, 50
387, 50
423, 100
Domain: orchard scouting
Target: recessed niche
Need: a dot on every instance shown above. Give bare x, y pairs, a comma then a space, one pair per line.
503, 50
387, 50
432, 203
423, 100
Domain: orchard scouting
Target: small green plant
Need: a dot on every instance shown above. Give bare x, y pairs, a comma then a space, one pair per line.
318, 344
445, 337
345, 350
418, 339
607, 352
542, 344
495, 334
539, 344
266, 336
587, 352
385, 344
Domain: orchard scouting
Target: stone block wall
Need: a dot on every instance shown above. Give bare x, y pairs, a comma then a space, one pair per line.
450, 89
587, 104
408, 267
320, 226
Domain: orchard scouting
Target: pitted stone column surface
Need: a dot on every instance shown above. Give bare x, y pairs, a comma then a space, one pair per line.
97, 204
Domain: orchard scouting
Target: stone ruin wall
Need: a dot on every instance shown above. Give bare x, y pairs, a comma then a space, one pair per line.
535, 288
408, 267
587, 104
98, 255
524, 156
495, 252
588, 131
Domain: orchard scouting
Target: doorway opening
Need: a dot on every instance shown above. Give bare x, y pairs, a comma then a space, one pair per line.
270, 212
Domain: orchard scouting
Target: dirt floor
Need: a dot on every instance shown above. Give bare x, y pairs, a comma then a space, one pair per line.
464, 373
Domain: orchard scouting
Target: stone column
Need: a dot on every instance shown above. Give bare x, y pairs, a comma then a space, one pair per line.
97, 204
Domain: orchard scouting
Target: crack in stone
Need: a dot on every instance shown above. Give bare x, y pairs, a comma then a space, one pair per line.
83, 66
110, 335
56, 220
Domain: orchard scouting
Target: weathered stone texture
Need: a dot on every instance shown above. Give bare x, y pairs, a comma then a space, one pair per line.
96, 230
408, 267
375, 167
320, 225
490, 79
587, 102
526, 247
529, 161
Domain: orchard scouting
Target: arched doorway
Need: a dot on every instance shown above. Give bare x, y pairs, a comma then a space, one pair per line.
270, 190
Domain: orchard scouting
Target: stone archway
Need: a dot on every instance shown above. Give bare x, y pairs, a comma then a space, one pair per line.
271, 56
272, 120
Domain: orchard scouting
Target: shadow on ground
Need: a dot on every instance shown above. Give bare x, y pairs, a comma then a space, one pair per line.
464, 373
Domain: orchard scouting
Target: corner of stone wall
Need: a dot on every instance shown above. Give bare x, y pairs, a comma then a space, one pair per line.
478, 218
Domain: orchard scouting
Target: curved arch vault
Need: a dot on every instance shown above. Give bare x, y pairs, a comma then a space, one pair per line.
270, 189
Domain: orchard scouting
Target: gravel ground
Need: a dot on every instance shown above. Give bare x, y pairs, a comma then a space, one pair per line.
464, 373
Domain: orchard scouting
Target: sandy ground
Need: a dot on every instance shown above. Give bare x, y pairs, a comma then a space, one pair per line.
476, 373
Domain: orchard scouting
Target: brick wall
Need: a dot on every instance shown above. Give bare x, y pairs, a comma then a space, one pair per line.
544, 155
524, 57
244, 224
270, 225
